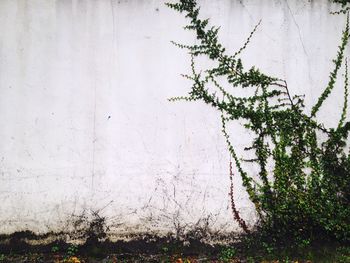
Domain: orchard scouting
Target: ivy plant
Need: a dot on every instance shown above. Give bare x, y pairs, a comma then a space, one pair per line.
307, 193
342, 2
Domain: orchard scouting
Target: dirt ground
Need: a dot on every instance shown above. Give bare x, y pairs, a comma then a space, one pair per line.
20, 247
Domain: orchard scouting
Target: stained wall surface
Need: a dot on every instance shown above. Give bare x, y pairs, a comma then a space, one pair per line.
85, 122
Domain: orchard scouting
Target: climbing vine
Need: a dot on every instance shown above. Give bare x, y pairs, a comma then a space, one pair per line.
342, 2
307, 193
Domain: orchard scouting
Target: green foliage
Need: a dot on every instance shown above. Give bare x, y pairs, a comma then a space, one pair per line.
72, 250
344, 254
344, 6
342, 2
306, 195
226, 254
55, 249
338, 62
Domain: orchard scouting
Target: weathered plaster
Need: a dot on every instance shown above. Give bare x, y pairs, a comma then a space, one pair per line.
86, 125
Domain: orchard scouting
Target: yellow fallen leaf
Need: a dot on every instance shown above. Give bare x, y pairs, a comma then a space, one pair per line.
73, 260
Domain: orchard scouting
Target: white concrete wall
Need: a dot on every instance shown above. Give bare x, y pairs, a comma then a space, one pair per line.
85, 121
